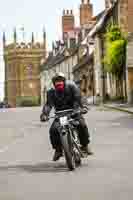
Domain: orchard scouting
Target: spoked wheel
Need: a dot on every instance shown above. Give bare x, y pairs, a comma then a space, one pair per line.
68, 152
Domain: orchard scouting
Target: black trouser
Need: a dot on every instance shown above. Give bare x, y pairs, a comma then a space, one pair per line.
83, 133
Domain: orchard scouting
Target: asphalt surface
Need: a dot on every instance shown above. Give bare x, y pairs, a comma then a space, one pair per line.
27, 172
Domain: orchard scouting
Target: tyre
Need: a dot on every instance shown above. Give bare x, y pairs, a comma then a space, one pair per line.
68, 152
77, 159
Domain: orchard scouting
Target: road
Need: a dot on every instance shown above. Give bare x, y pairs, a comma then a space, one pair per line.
27, 172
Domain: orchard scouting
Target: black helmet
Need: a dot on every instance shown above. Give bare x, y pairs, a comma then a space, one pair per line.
58, 76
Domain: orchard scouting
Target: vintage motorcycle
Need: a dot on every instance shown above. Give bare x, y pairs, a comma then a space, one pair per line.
69, 137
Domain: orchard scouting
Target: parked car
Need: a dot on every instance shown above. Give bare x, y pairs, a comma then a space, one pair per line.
4, 105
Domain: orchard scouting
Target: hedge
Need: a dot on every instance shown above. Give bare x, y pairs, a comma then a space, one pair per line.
28, 101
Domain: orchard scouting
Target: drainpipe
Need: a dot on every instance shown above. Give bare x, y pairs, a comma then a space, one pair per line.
102, 70
125, 74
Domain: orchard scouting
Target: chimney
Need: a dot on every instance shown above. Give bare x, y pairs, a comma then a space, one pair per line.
86, 12
107, 3
68, 22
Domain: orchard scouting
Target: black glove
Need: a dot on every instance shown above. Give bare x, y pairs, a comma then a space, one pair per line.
43, 117
84, 110
75, 114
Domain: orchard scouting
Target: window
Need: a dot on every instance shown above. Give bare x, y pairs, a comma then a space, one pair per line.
28, 70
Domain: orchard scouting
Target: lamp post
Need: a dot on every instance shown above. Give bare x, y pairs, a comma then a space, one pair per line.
125, 72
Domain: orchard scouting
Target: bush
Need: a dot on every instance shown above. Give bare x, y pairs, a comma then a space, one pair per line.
28, 101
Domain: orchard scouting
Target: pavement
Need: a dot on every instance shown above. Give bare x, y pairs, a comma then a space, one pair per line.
120, 107
124, 107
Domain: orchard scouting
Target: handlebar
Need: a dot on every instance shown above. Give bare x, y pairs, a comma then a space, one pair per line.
64, 111
72, 111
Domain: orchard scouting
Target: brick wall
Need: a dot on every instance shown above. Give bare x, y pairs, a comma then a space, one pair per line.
68, 21
86, 12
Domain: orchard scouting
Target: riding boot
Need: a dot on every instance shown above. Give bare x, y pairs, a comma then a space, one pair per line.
87, 150
57, 154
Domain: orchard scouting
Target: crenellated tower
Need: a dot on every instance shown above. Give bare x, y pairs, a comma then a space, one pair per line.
22, 68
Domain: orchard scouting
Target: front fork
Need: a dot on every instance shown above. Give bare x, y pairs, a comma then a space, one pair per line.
68, 132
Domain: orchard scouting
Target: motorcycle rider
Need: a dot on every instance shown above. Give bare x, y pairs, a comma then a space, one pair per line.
65, 95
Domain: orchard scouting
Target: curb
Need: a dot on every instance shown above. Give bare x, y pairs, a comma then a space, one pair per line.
119, 109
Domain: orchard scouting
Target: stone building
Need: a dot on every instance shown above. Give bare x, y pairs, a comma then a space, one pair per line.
118, 12
129, 71
22, 68
125, 19
90, 69
65, 53
63, 61
103, 85
125, 16
83, 71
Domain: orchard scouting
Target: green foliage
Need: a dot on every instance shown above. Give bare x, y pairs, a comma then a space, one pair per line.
113, 34
28, 101
115, 56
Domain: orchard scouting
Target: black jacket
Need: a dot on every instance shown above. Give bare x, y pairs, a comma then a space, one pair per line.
69, 99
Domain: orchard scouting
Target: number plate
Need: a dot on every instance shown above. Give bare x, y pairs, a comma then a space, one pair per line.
63, 121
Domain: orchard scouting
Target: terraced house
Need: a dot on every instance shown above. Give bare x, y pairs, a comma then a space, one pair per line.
116, 13
89, 50
65, 54
62, 61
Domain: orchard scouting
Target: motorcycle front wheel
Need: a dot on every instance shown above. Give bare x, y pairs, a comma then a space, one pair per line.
68, 150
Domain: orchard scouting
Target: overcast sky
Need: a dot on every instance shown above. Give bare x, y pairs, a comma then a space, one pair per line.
33, 16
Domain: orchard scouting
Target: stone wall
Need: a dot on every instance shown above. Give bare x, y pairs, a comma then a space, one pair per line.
123, 14
130, 15
22, 66
130, 69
